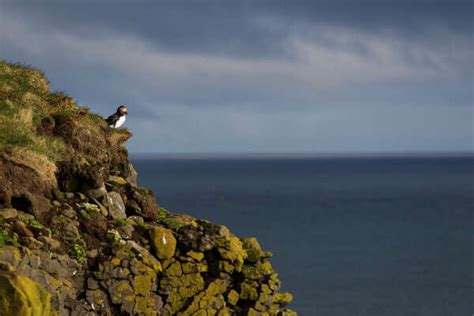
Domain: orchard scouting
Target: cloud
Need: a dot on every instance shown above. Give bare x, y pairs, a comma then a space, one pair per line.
326, 61
323, 78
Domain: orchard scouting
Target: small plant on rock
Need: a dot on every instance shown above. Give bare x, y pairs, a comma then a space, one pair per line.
121, 222
6, 238
89, 207
115, 236
78, 252
144, 191
34, 223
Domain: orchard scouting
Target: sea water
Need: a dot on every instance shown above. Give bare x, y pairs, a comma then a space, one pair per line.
359, 236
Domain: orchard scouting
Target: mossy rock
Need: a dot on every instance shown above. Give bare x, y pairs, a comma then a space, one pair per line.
257, 271
283, 299
253, 249
143, 284
248, 291
210, 300
163, 242
288, 312
121, 292
147, 305
233, 297
198, 256
19, 295
230, 248
180, 289
116, 180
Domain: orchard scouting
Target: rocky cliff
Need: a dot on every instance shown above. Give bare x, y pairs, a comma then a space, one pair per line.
79, 237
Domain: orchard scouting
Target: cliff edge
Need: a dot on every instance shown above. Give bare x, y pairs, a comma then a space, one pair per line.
79, 237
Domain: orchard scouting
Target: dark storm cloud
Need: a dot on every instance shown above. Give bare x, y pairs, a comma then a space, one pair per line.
237, 28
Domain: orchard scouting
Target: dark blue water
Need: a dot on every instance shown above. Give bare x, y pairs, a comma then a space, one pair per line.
350, 236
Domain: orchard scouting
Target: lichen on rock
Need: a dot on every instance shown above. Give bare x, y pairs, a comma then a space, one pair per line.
19, 295
163, 242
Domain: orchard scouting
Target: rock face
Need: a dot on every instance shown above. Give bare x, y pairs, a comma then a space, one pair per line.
79, 237
116, 206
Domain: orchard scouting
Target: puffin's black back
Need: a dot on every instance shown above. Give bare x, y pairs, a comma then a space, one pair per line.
112, 119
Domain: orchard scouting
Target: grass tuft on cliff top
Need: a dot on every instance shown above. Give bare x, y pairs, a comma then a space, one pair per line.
27, 105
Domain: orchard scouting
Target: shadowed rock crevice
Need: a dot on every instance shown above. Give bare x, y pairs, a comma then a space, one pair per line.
21, 203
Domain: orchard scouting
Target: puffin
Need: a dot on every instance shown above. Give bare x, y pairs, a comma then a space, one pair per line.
118, 118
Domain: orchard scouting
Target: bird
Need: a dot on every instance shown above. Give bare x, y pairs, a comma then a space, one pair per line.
118, 118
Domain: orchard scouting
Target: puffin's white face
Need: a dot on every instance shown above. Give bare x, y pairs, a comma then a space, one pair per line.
123, 110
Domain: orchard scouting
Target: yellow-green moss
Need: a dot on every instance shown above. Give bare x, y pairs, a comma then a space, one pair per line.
123, 292
230, 248
198, 256
233, 297
248, 291
163, 242
210, 300
145, 306
143, 284
283, 298
174, 269
182, 288
19, 295
253, 249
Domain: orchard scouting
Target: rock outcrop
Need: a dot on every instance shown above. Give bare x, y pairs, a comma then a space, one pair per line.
79, 237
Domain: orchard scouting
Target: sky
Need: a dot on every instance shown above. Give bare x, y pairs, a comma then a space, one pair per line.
276, 76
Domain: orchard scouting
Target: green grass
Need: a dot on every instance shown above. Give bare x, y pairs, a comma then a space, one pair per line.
25, 101
144, 226
78, 252
144, 191
121, 222
7, 238
86, 215
165, 218
89, 207
32, 222
63, 219
172, 223
22, 101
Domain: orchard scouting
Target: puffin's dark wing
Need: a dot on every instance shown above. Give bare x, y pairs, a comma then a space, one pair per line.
112, 119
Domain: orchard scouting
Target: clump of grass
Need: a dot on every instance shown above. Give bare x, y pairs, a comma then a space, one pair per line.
172, 223
33, 222
18, 129
144, 190
89, 207
165, 218
163, 213
144, 226
78, 252
86, 215
7, 238
114, 235
63, 219
121, 222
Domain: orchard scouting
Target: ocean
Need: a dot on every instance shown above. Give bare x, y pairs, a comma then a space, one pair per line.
350, 236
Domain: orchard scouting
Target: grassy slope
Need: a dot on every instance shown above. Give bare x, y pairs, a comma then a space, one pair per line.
26, 104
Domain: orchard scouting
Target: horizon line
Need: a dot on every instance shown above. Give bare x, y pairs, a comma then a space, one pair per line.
301, 155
